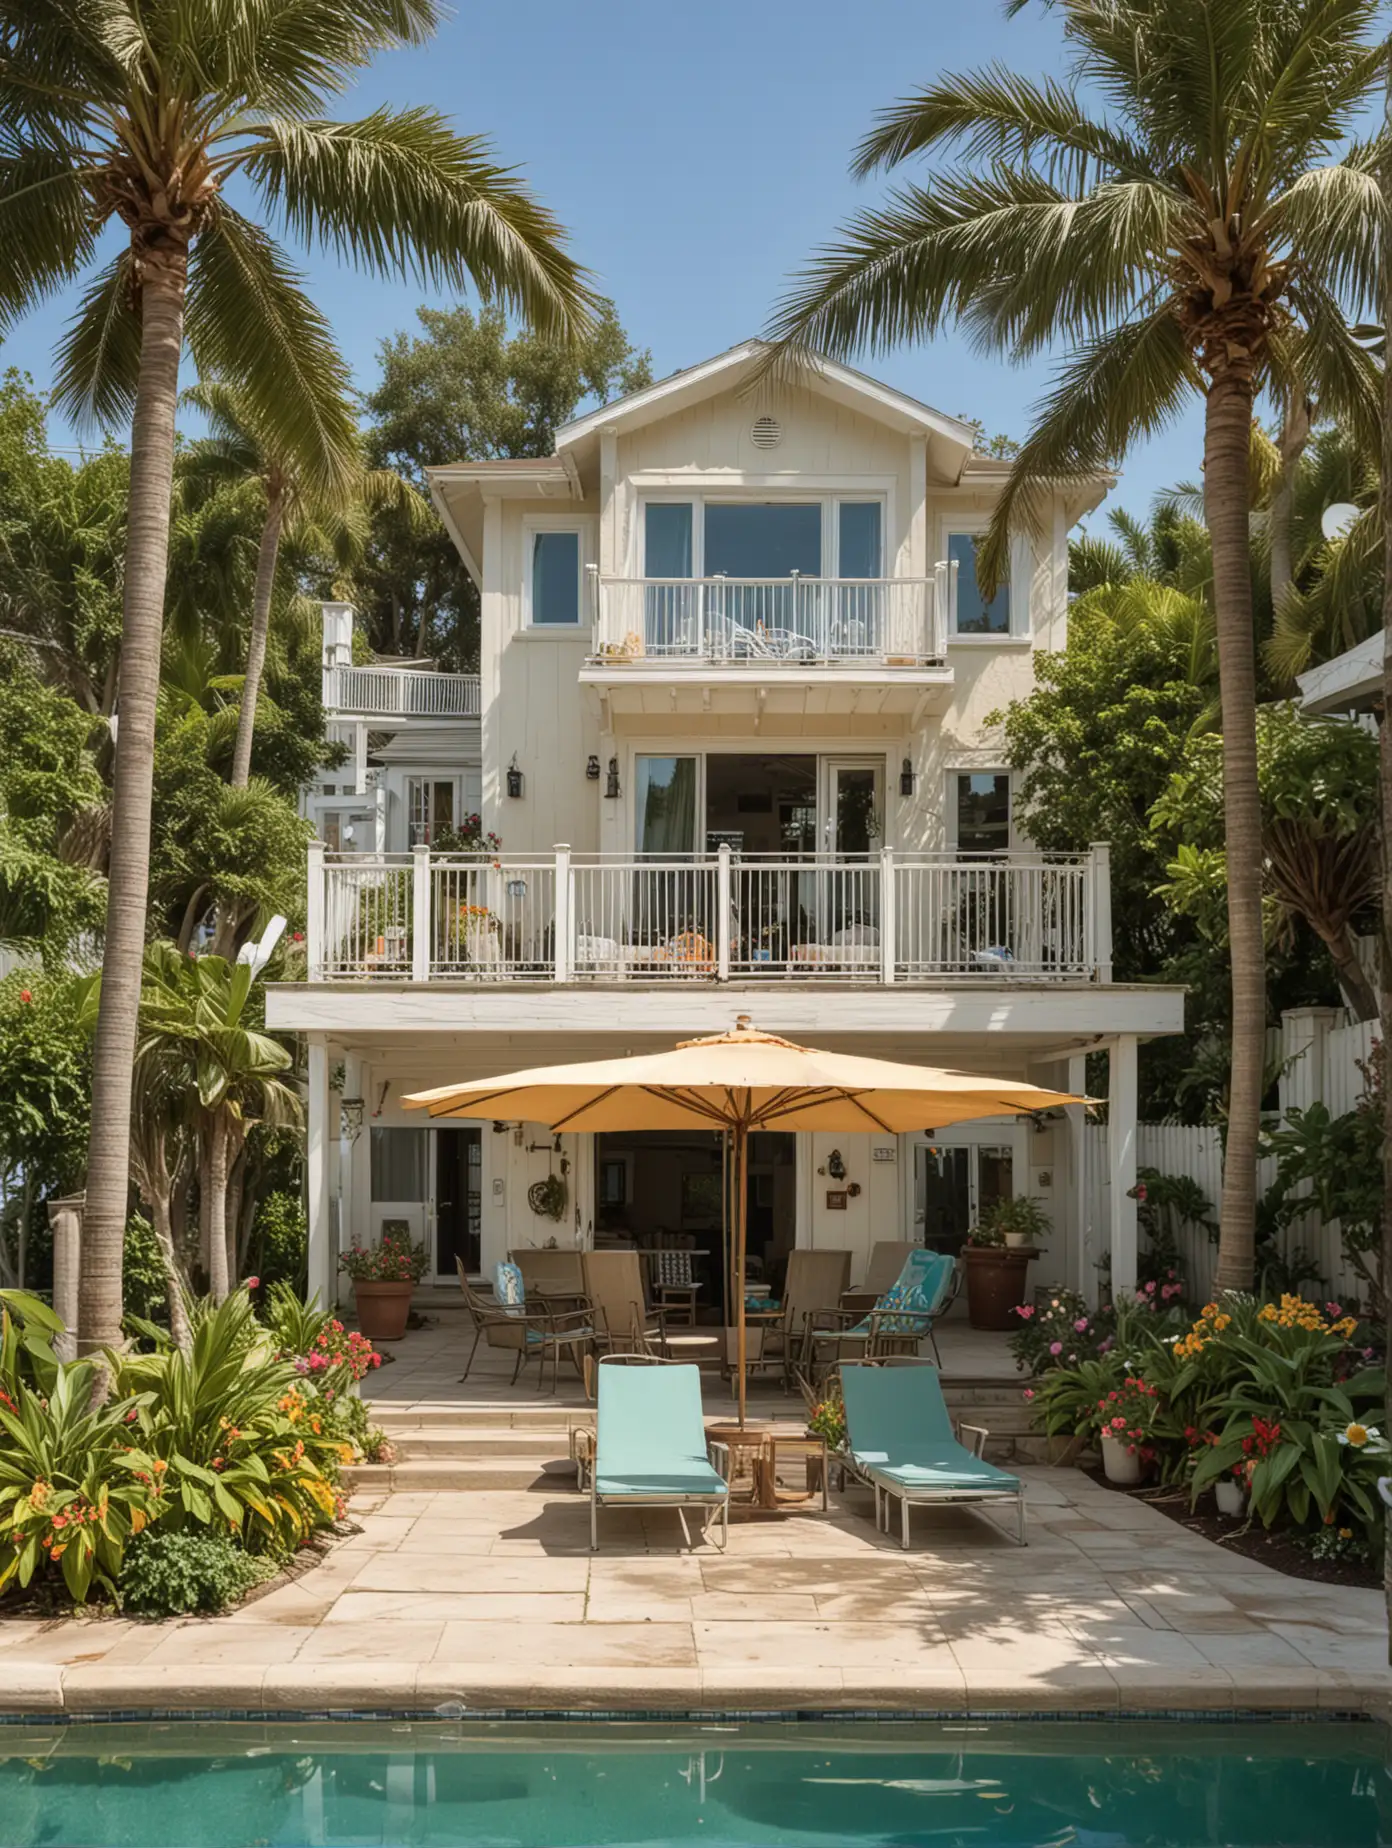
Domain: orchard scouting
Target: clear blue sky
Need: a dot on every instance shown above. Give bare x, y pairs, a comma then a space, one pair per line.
697, 153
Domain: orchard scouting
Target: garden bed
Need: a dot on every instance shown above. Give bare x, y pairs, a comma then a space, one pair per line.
1279, 1550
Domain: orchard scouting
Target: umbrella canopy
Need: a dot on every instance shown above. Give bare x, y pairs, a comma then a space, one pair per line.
739, 1082
744, 1079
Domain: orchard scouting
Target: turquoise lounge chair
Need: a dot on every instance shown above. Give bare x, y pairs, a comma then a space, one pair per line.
650, 1445
900, 1440
903, 1317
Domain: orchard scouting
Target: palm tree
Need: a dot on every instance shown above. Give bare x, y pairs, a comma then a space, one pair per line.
1201, 228
141, 111
198, 1006
241, 448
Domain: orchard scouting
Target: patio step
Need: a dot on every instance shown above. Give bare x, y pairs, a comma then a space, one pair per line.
440, 1443
441, 1475
456, 1416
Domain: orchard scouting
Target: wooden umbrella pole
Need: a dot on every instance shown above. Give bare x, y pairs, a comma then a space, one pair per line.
740, 1165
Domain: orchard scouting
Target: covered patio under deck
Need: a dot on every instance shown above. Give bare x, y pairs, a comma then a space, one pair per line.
370, 1162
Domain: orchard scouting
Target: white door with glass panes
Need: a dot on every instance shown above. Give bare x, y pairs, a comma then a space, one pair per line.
957, 1174
428, 1183
852, 836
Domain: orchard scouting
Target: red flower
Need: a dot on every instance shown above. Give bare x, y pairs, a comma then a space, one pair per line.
26, 994
253, 1283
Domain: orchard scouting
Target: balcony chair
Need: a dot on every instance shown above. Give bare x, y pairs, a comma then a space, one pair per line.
901, 1319
650, 1446
900, 1439
812, 1284
674, 1285
528, 1330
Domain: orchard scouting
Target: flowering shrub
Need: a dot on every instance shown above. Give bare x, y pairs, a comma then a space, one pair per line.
394, 1259
1058, 1332
827, 1418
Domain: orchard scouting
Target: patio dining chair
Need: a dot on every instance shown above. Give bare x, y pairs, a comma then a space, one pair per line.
903, 1317
613, 1282
887, 1259
813, 1282
531, 1331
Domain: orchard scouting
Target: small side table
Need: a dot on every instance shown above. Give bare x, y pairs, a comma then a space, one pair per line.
788, 1442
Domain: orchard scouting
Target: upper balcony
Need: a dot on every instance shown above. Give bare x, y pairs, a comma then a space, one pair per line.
570, 918
744, 638
380, 692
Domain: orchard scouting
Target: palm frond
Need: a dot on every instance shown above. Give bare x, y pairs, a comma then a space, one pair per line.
1108, 394
401, 191
99, 354
1331, 218
45, 226
288, 56
251, 323
1000, 118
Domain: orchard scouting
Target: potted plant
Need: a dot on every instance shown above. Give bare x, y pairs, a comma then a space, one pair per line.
995, 1269
1122, 1421
1023, 1221
384, 1277
1230, 1492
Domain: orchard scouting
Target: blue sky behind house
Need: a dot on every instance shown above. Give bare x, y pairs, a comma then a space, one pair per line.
698, 154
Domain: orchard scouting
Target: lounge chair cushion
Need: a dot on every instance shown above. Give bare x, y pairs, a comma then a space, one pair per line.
509, 1288
541, 1337
651, 1437
918, 1292
949, 1469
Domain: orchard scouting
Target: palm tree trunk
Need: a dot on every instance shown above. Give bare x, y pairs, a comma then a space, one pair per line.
162, 1224
142, 622
1227, 432
256, 644
1359, 992
218, 1283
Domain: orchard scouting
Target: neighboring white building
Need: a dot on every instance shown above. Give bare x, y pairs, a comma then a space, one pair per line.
731, 727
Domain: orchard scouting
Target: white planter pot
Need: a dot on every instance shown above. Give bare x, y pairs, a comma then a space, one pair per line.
1231, 1498
1120, 1464
1016, 1241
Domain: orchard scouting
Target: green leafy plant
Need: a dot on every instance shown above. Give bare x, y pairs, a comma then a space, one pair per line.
183, 1574
73, 1487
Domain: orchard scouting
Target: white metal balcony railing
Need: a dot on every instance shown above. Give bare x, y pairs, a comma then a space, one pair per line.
564, 917
400, 693
791, 621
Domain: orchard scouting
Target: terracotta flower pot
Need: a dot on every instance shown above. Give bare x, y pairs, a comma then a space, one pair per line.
995, 1284
382, 1308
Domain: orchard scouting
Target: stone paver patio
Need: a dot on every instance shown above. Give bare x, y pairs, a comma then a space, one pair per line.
492, 1599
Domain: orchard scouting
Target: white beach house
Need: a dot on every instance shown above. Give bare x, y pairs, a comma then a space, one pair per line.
731, 727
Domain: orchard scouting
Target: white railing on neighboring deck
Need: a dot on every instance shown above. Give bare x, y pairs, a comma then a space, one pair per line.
784, 622
565, 917
401, 693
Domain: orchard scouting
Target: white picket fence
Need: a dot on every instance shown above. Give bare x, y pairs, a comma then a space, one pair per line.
1324, 1054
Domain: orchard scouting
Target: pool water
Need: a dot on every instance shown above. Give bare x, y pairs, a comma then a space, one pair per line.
439, 1785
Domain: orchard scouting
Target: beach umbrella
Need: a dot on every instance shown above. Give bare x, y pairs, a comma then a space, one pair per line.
739, 1082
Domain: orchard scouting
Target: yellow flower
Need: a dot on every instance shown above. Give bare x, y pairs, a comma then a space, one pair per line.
1346, 1533
1356, 1435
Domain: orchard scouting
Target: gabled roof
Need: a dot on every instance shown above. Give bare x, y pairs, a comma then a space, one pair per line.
728, 369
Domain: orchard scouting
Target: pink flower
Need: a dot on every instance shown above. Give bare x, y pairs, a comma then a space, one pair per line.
1029, 1392
297, 937
1106, 1346
1055, 1347
253, 1283
1080, 1326
1024, 1311
1150, 1288
1333, 1311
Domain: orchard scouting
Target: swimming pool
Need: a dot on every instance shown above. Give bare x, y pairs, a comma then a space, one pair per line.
350, 1784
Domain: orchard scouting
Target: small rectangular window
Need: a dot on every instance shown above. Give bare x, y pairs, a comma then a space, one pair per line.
976, 616
556, 579
983, 812
667, 539
858, 533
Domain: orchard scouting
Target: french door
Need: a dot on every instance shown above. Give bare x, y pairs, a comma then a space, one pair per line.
958, 1175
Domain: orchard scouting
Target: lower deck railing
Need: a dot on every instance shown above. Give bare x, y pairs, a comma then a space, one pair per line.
424, 916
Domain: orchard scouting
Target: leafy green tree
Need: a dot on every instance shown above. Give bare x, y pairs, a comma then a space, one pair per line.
52, 815
466, 389
196, 1008
117, 113
45, 1075
1319, 793
1190, 213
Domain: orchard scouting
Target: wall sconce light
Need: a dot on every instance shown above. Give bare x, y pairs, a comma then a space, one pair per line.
907, 779
611, 787
836, 1166
350, 1113
515, 780
592, 768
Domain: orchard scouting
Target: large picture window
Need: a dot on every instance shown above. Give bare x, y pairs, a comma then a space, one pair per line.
982, 812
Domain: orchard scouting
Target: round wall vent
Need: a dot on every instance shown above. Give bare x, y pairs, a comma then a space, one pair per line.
767, 433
